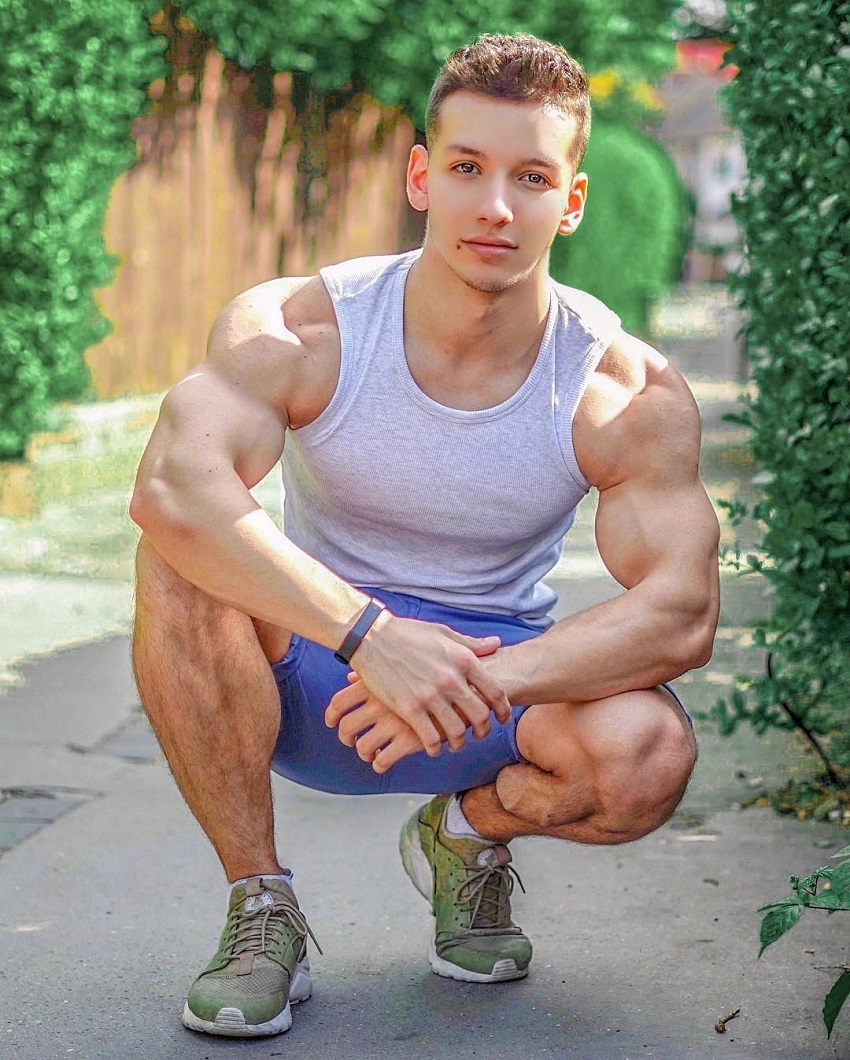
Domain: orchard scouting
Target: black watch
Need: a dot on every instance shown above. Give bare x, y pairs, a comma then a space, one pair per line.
354, 637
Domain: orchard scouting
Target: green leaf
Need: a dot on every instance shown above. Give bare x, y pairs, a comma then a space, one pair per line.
781, 917
843, 853
834, 1001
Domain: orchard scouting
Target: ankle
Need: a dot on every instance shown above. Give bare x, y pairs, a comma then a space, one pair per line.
238, 874
484, 814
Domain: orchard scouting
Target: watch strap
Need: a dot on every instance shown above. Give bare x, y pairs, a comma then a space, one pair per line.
354, 637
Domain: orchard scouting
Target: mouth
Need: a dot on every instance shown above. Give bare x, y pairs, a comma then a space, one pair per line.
488, 250
490, 244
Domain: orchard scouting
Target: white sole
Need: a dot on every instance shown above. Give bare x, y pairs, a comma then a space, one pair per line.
503, 971
230, 1022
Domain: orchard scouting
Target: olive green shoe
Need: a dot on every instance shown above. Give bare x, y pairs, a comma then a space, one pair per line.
469, 884
260, 967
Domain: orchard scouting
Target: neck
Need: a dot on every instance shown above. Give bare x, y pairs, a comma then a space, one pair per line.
443, 313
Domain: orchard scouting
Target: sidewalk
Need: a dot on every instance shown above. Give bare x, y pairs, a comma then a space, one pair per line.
113, 900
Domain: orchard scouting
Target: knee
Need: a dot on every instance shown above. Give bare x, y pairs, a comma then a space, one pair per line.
651, 779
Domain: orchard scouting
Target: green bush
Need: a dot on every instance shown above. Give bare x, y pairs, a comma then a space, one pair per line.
629, 246
73, 76
790, 100
393, 50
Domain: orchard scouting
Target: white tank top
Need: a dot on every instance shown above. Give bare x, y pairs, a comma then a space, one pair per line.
392, 490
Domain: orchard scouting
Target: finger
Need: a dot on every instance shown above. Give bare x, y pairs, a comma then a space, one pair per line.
450, 719
479, 645
424, 728
343, 701
406, 743
490, 692
370, 743
481, 728
357, 721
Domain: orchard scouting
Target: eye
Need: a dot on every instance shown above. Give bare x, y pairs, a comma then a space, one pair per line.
466, 168
537, 179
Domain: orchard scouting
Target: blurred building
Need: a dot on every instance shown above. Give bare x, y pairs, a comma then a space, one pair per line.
708, 155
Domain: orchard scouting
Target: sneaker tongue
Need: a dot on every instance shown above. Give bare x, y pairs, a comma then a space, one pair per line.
254, 903
496, 857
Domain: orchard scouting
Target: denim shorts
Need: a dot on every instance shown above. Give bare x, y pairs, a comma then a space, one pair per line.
311, 754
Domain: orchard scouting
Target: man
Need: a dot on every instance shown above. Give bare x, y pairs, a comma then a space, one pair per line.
440, 415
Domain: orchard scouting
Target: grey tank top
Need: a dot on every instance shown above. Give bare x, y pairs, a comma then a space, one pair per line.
392, 490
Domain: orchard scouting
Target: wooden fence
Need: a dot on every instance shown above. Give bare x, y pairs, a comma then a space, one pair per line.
231, 189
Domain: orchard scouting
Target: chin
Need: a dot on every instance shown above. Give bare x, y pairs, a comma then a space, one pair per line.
493, 284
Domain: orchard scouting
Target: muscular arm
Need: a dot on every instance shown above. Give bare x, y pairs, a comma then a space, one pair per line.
219, 432
657, 534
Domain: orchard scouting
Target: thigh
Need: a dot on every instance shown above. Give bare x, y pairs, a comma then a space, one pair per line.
309, 753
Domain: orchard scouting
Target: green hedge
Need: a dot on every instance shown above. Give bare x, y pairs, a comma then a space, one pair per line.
73, 76
628, 248
790, 100
393, 50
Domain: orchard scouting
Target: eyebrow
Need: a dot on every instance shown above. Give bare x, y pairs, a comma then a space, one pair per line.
473, 152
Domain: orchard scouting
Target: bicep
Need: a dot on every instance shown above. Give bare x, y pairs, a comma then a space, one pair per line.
666, 531
654, 517
209, 423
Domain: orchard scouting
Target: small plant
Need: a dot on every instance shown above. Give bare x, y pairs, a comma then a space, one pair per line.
827, 888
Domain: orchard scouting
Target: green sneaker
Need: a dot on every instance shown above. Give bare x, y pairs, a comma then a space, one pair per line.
260, 967
468, 883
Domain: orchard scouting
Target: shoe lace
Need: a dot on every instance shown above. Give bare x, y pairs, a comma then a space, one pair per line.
258, 932
486, 894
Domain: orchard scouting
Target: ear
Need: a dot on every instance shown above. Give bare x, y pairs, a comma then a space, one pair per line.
417, 178
574, 210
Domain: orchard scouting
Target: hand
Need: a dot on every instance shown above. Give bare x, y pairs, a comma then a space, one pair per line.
378, 735
430, 677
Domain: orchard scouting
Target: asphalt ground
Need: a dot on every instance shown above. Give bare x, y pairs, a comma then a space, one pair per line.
111, 900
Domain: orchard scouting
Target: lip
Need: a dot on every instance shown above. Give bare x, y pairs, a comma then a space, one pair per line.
491, 244
492, 249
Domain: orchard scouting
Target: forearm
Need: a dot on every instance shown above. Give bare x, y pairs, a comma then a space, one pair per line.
219, 539
637, 640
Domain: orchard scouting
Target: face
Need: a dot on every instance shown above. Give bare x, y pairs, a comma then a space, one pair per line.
497, 187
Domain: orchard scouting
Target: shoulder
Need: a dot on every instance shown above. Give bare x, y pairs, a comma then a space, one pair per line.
637, 413
280, 339
591, 314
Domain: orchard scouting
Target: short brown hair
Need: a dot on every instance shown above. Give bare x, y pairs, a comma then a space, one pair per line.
521, 69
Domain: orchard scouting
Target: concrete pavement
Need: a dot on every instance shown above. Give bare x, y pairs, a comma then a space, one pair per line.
111, 900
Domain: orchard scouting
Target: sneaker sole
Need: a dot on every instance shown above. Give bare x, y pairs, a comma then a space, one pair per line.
230, 1022
419, 870
503, 971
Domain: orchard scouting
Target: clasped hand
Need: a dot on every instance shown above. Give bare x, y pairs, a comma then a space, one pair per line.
416, 686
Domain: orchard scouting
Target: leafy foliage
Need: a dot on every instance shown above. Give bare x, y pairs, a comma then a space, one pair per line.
629, 245
393, 50
827, 888
790, 101
73, 76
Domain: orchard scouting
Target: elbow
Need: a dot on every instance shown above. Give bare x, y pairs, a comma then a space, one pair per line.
147, 505
697, 643
156, 509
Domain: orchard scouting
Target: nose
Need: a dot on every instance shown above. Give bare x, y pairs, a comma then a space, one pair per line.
495, 209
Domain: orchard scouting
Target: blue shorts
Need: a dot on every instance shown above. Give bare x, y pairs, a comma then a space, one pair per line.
311, 754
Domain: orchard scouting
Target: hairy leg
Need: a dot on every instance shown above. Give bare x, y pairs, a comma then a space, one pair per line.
203, 674
609, 771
